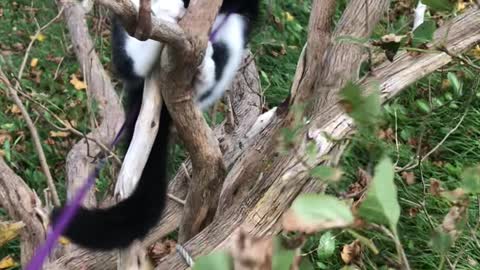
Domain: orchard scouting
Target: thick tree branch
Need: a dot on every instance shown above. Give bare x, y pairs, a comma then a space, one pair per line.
163, 31
100, 89
21, 203
176, 79
309, 65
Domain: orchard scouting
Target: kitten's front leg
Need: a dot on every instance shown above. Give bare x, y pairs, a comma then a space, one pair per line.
205, 77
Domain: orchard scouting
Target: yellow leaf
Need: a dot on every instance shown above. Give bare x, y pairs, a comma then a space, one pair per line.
461, 5
15, 109
64, 241
7, 263
289, 16
59, 134
40, 37
78, 84
9, 230
476, 52
34, 62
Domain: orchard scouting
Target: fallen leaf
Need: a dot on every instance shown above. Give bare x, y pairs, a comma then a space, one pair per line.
250, 252
351, 252
289, 16
34, 62
9, 230
59, 134
63, 241
435, 187
4, 136
451, 221
409, 178
161, 249
78, 84
15, 109
18, 46
40, 37
7, 263
413, 212
476, 52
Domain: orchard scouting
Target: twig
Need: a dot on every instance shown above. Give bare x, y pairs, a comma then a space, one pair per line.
176, 199
69, 127
36, 138
26, 116
30, 45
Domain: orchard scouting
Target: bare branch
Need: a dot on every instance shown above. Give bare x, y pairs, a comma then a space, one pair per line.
178, 70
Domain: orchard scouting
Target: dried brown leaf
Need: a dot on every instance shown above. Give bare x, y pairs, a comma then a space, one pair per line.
435, 187
409, 178
7, 263
351, 252
59, 134
250, 252
161, 249
9, 230
77, 84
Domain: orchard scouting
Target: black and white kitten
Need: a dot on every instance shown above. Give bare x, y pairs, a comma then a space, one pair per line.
131, 219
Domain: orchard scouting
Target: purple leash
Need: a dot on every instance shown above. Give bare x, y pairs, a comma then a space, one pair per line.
71, 208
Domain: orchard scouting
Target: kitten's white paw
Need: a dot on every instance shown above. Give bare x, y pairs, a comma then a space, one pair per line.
169, 10
205, 77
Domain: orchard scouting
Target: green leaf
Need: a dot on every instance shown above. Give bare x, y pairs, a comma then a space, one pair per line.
365, 110
441, 242
326, 245
311, 213
381, 204
282, 258
439, 5
305, 264
471, 180
423, 105
214, 261
455, 82
326, 173
424, 33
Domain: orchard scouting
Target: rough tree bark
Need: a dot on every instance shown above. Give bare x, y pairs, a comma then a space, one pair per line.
177, 74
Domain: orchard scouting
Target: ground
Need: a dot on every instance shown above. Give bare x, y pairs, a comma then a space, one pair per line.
430, 113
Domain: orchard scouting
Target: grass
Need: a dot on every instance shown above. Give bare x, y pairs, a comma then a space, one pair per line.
277, 44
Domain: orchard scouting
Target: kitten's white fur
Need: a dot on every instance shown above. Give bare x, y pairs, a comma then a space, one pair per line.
230, 33
145, 53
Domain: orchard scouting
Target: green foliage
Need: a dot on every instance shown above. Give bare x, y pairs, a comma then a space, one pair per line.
282, 258
424, 33
326, 246
471, 180
326, 173
214, 261
322, 210
381, 205
440, 5
364, 109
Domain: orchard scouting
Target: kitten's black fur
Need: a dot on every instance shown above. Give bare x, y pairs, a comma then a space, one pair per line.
131, 219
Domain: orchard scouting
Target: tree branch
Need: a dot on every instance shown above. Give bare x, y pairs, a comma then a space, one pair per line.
162, 31
21, 203
79, 161
178, 70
